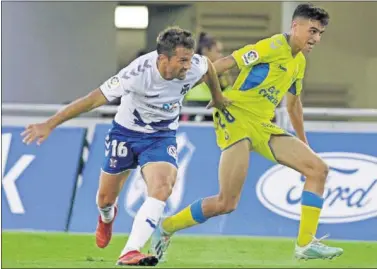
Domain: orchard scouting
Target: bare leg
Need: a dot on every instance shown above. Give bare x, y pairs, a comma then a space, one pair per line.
234, 164
295, 154
233, 168
110, 187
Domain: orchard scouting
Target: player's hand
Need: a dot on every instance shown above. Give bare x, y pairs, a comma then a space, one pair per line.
39, 132
219, 103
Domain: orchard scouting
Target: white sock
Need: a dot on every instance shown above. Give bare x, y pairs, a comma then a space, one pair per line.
107, 213
145, 222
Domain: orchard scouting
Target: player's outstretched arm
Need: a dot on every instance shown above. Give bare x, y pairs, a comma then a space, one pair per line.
294, 107
84, 104
212, 80
224, 64
41, 131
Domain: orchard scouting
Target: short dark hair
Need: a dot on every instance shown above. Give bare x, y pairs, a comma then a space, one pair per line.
309, 11
205, 41
171, 38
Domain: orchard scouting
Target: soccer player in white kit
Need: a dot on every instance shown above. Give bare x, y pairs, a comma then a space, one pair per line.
143, 132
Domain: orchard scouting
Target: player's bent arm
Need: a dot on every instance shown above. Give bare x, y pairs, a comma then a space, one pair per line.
295, 111
84, 104
224, 64
212, 81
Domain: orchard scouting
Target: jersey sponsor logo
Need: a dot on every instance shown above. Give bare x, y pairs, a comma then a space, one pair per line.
136, 191
271, 94
155, 107
168, 107
350, 192
250, 57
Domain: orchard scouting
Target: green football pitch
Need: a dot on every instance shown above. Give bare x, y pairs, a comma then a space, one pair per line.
64, 250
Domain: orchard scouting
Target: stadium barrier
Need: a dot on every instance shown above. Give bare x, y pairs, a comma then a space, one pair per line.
47, 181
38, 182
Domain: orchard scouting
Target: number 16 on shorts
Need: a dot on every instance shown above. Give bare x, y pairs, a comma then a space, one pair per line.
118, 156
118, 149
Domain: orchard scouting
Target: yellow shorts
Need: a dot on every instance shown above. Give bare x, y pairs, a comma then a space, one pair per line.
236, 124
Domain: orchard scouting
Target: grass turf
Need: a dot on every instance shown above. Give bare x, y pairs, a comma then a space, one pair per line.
62, 250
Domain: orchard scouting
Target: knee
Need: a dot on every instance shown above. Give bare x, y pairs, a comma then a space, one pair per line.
226, 205
321, 169
317, 170
160, 186
105, 199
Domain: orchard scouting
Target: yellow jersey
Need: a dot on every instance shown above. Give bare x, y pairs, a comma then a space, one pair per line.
267, 72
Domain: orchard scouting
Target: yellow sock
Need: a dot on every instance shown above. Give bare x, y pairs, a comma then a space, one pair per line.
308, 224
310, 212
187, 217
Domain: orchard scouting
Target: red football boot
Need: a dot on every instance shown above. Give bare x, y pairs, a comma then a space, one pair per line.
138, 259
104, 231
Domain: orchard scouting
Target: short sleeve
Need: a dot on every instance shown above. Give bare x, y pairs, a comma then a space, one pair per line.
129, 79
112, 88
200, 63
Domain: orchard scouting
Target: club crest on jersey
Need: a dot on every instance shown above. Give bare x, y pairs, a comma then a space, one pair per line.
185, 89
250, 57
172, 151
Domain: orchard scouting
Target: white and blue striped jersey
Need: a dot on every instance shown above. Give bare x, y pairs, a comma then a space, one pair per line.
149, 103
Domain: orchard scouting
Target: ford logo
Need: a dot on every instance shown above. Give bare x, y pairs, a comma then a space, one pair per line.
350, 191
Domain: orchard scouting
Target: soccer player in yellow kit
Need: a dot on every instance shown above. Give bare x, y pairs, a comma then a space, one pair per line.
270, 69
